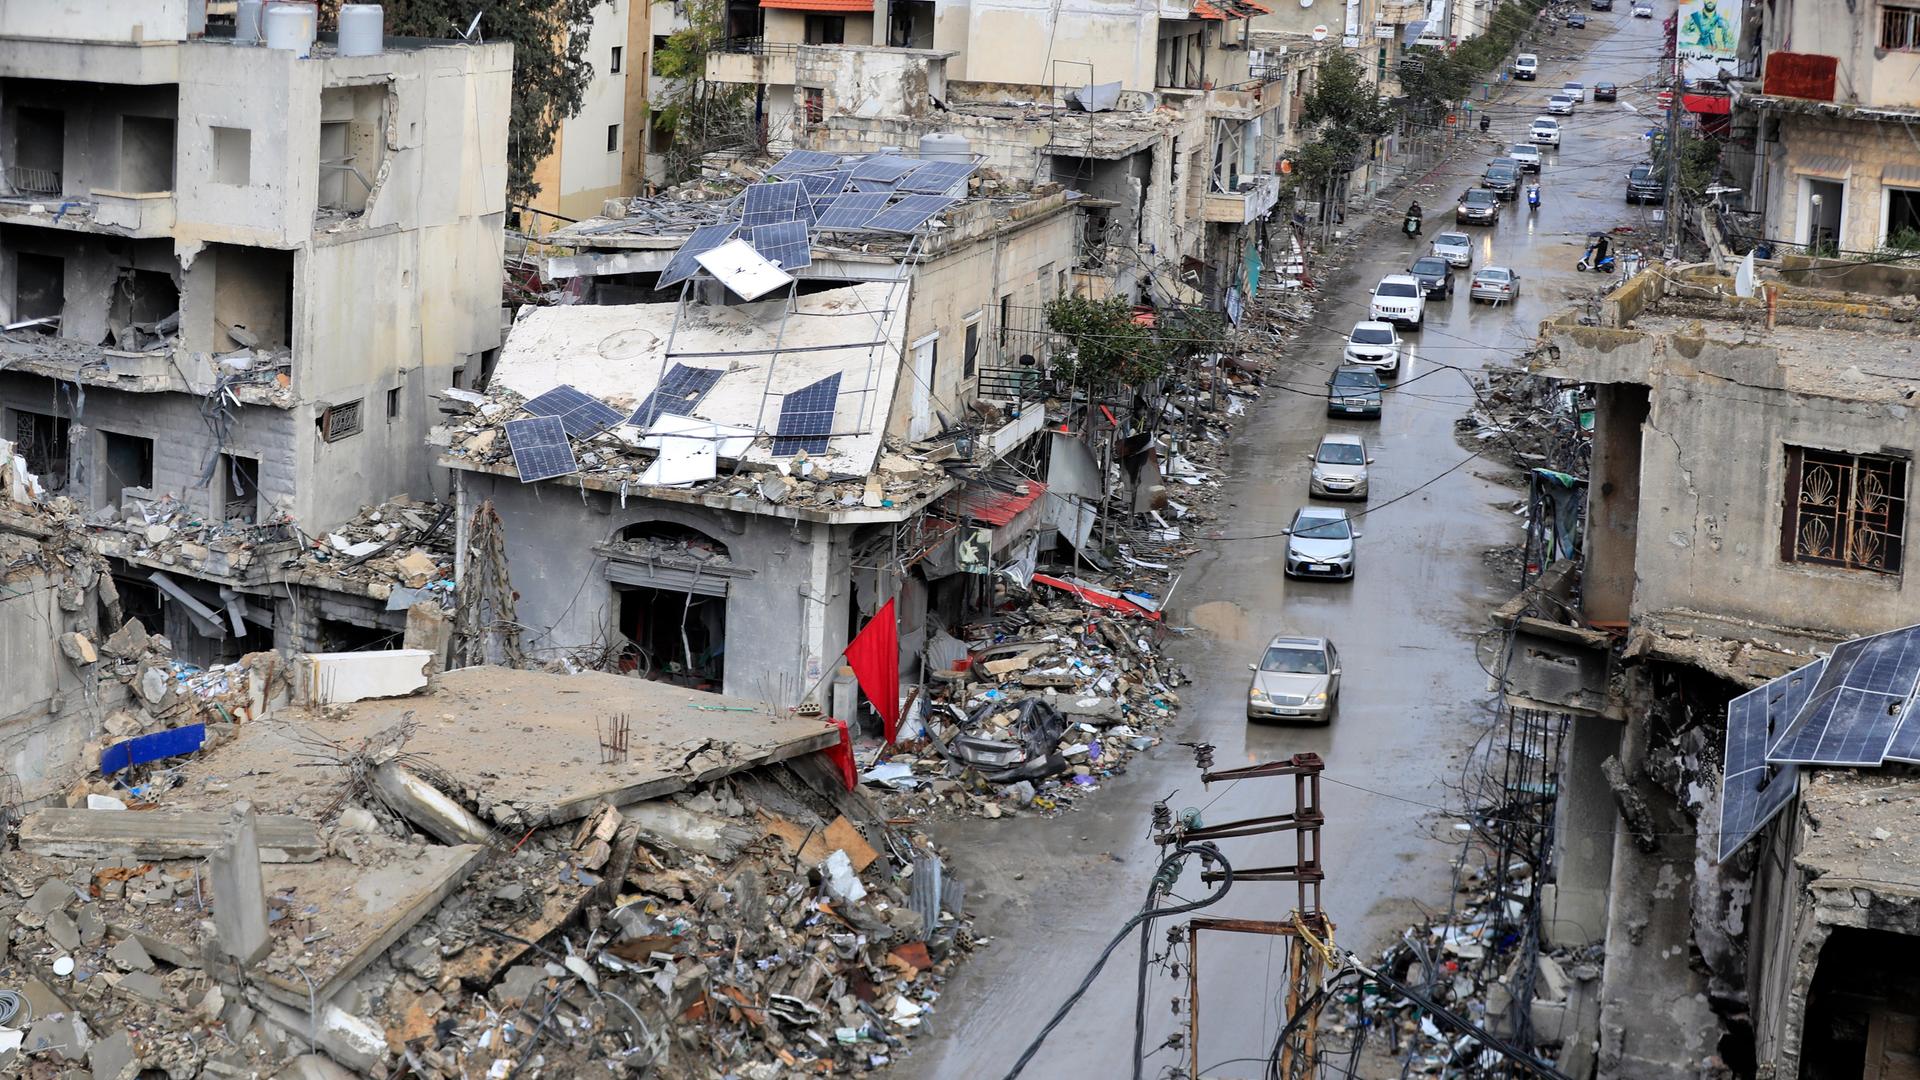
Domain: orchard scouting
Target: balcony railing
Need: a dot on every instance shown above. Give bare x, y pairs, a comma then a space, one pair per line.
753, 61
1253, 199
27, 180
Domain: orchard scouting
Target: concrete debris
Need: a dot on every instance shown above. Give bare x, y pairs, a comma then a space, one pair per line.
160, 834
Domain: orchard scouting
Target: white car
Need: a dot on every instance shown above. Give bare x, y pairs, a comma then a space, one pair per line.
1375, 345
1574, 90
1455, 247
1526, 66
1643, 11
1544, 132
1527, 154
1399, 299
1560, 105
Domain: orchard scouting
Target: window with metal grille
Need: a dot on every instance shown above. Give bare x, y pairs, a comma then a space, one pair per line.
1900, 27
1844, 510
339, 421
816, 105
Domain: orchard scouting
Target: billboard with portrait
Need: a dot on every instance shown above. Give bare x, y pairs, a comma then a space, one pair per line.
1708, 38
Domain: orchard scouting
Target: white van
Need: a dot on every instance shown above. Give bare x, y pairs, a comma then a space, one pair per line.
1526, 66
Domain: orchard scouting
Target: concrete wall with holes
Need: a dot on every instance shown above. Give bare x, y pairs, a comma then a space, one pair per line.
46, 715
785, 620
183, 442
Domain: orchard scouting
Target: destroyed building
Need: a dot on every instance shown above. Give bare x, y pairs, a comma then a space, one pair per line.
1724, 822
1169, 117
231, 276
755, 476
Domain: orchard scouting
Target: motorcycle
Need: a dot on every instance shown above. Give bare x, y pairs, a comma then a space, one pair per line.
1604, 263
1533, 196
1412, 225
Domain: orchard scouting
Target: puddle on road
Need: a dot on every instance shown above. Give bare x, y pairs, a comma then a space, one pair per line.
1224, 619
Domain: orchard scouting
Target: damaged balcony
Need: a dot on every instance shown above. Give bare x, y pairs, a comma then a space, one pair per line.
753, 62
1253, 198
87, 157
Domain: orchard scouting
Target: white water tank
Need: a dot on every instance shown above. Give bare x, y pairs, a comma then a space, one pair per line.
291, 27
246, 21
944, 146
362, 29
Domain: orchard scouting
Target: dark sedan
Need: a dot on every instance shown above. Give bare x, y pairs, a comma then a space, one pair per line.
1605, 91
1645, 184
1477, 207
1577, 21
1354, 391
1503, 180
1434, 274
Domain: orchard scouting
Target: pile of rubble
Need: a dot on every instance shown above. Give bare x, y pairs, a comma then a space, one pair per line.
1529, 422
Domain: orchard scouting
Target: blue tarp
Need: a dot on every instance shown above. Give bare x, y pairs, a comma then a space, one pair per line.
161, 744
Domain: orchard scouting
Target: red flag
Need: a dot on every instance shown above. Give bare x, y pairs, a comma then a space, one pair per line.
874, 656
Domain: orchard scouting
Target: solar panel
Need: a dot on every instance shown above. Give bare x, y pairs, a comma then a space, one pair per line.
771, 204
1754, 791
885, 168
801, 161
685, 261
822, 184
852, 211
806, 418
939, 177
678, 393
582, 415
1858, 705
909, 213
540, 448
887, 186
785, 245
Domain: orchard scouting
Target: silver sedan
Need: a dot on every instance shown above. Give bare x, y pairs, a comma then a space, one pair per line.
1495, 283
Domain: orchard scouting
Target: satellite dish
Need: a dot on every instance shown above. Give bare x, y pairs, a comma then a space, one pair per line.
1743, 277
1320, 32
1306, 3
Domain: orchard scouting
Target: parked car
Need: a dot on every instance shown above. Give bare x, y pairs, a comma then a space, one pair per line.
1643, 11
1605, 91
1320, 543
1601, 5
1477, 207
1526, 66
1494, 284
1560, 105
1646, 184
1577, 21
1339, 467
1354, 391
1376, 345
1527, 154
1544, 132
1297, 678
1455, 247
1434, 274
1502, 180
1398, 299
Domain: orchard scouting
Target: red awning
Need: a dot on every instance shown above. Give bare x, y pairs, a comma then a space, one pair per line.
1707, 104
1097, 597
992, 506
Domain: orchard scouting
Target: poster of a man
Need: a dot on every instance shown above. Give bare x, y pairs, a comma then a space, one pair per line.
1707, 37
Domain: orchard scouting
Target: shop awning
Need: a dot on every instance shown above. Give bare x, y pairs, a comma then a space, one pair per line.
1707, 104
1012, 514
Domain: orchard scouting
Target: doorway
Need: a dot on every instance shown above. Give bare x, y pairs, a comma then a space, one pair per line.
926, 364
1822, 214
673, 636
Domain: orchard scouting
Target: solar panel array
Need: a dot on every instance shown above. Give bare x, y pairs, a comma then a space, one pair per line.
909, 213
938, 177
852, 211
540, 448
771, 204
886, 168
806, 418
803, 161
1857, 708
1754, 791
581, 415
679, 393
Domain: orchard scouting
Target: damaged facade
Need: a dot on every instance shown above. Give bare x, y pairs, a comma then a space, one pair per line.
231, 277
1745, 510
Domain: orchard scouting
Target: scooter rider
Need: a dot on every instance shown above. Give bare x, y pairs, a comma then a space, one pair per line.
1414, 217
1533, 195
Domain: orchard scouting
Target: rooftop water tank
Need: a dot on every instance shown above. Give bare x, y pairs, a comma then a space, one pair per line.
291, 27
246, 21
362, 29
944, 146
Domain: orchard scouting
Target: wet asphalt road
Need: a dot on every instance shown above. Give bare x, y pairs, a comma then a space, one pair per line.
1413, 698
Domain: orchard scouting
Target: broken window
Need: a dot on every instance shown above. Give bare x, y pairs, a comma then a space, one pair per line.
39, 151
1846, 510
232, 155
252, 298
42, 440
352, 142
39, 290
1903, 219
816, 105
128, 463
659, 132
910, 24
339, 421
143, 309
241, 500
146, 153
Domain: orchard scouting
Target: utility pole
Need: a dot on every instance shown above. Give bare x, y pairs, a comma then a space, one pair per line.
1671, 234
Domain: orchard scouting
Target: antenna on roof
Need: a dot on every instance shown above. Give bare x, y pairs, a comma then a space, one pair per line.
472, 33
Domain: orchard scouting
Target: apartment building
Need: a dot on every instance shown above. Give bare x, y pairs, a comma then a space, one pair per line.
232, 278
600, 152
1839, 92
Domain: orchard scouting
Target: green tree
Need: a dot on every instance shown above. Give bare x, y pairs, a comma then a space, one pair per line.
1344, 114
702, 115
1105, 344
550, 66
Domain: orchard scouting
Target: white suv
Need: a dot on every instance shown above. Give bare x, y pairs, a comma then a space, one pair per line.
1375, 345
1399, 299
1544, 132
1526, 66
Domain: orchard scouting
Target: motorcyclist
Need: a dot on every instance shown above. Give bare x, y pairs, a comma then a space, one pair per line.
1414, 217
1533, 194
